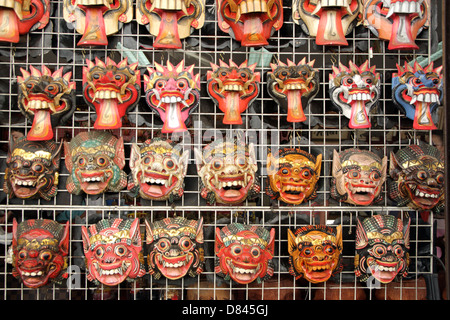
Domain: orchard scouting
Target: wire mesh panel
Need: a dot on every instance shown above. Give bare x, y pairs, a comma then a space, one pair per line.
264, 125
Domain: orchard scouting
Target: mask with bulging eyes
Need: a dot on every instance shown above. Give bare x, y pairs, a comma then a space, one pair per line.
97, 19
329, 21
95, 160
32, 169
172, 92
293, 87
228, 172
244, 253
358, 177
418, 91
417, 178
158, 169
397, 21
250, 22
355, 92
315, 252
170, 21
382, 248
47, 99
18, 18
113, 251
233, 88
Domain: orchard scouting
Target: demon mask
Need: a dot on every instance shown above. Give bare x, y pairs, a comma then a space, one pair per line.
289, 84
250, 22
418, 92
382, 245
170, 21
228, 172
329, 21
45, 98
418, 175
111, 90
358, 177
20, 17
32, 169
244, 253
398, 21
315, 252
158, 169
97, 19
40, 248
355, 91
293, 175
113, 251
95, 161
233, 88
172, 92
175, 247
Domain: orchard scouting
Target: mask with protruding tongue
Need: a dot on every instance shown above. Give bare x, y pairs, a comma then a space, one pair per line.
418, 91
327, 20
96, 19
112, 89
251, 21
173, 93
398, 21
289, 84
46, 99
19, 17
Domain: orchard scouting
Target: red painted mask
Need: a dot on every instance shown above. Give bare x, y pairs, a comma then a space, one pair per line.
175, 247
233, 88
355, 91
112, 90
113, 251
170, 21
293, 86
250, 23
97, 20
40, 248
19, 17
328, 21
172, 92
47, 99
397, 21
244, 253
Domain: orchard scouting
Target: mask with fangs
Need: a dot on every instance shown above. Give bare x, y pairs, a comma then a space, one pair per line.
170, 21
251, 22
228, 172
244, 253
172, 92
32, 169
47, 99
113, 251
233, 88
111, 89
355, 92
293, 86
19, 17
293, 175
329, 21
358, 177
382, 248
97, 19
95, 160
418, 92
397, 21
315, 252
417, 178
158, 169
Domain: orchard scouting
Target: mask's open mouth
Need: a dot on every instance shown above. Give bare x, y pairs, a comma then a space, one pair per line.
26, 187
157, 185
94, 182
424, 197
318, 271
174, 267
243, 272
231, 189
112, 273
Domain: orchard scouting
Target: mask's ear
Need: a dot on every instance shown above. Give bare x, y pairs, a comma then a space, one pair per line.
68, 156
184, 162
383, 169
199, 159
199, 237
148, 231
64, 243
292, 245
56, 156
361, 237
135, 233
119, 158
219, 243
337, 167
394, 168
85, 237
339, 236
271, 245
318, 164
271, 164
135, 156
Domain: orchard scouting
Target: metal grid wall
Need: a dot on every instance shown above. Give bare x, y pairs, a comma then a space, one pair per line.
264, 125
